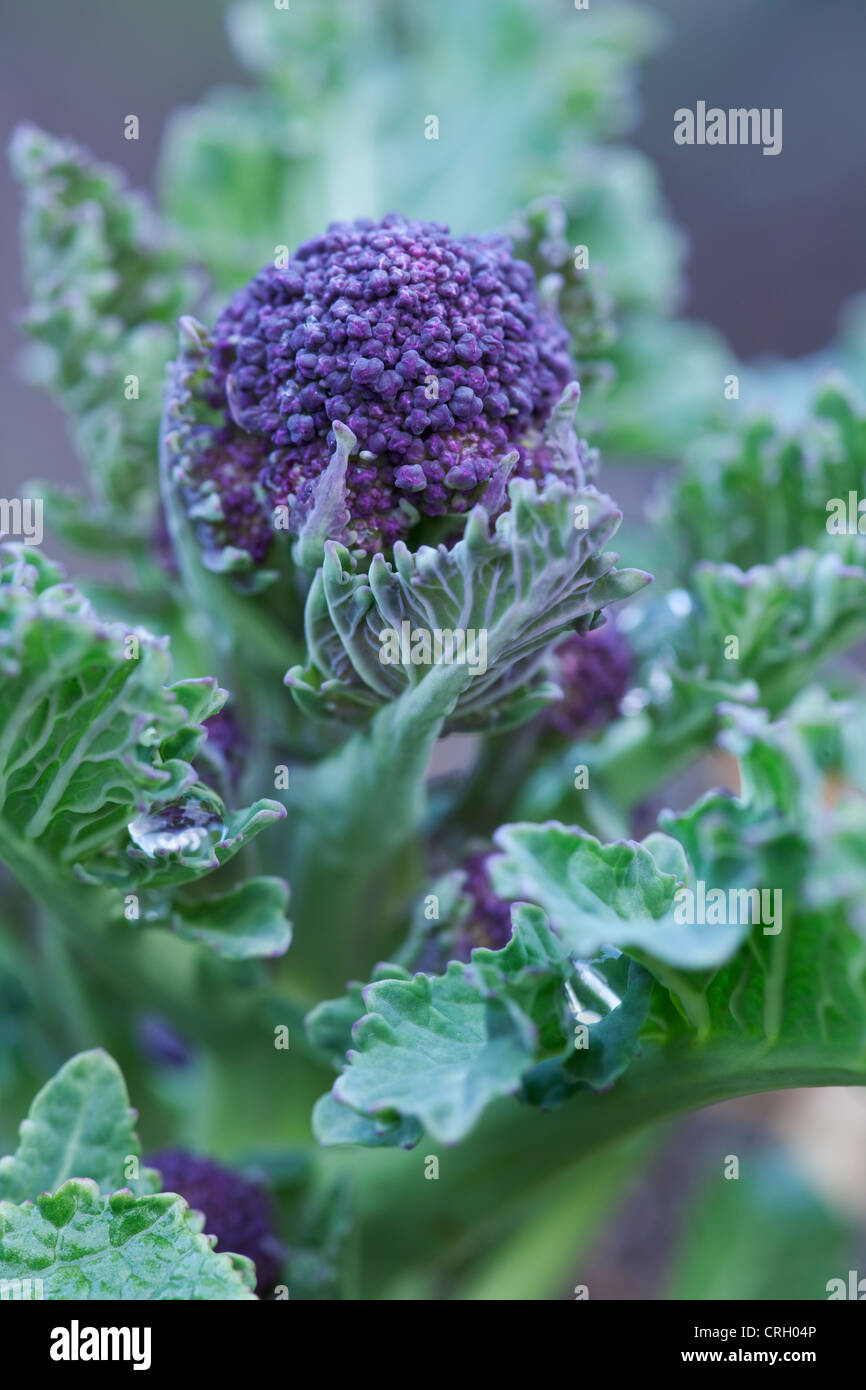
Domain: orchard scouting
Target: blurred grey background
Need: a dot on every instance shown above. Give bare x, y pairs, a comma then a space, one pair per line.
776, 243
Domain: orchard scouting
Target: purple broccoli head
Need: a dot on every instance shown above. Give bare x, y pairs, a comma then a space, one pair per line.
236, 1211
435, 351
594, 671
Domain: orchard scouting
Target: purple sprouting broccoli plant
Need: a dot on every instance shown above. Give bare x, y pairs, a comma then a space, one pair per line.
435, 351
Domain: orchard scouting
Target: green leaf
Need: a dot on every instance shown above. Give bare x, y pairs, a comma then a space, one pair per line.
750, 497
433, 1051
788, 616
807, 984
83, 1245
611, 1040
530, 970
788, 619
82, 725
603, 895
792, 973
329, 1025
80, 1126
247, 921
764, 1236
508, 595
337, 1124
95, 786
106, 287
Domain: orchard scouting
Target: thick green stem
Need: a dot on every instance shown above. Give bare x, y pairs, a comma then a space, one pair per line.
490, 1178
354, 822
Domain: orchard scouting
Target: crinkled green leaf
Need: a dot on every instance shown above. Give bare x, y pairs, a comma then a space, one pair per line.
163, 856
799, 978
82, 724
529, 970
791, 614
605, 1039
329, 1025
788, 619
83, 1245
80, 1126
95, 785
808, 983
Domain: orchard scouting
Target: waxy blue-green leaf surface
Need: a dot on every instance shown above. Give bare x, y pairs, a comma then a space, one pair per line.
80, 1126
